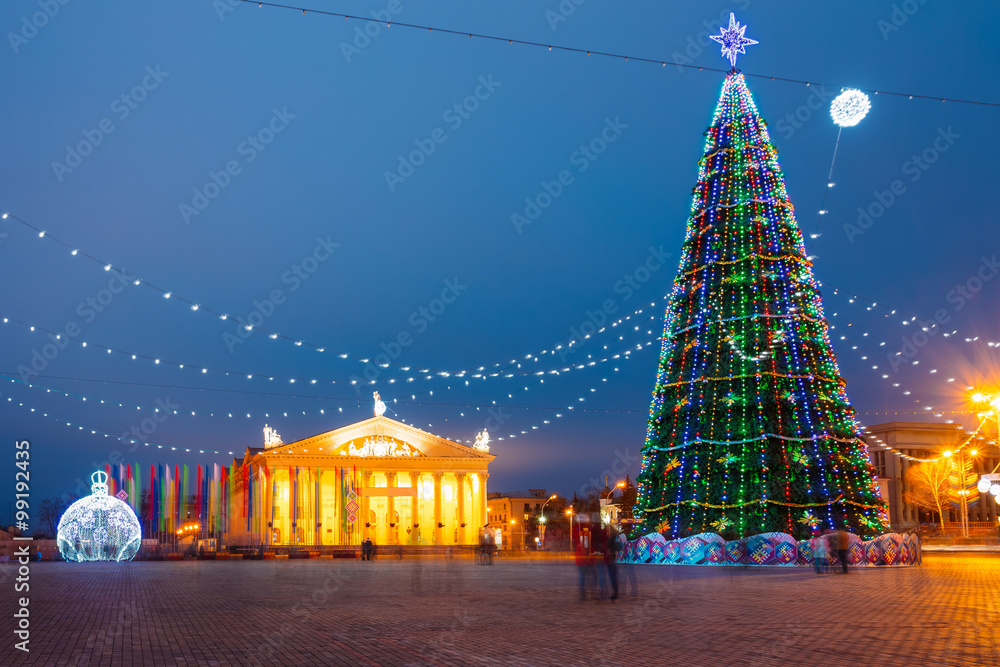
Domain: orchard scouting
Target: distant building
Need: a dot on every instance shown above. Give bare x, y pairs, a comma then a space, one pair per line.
517, 506
610, 507
921, 440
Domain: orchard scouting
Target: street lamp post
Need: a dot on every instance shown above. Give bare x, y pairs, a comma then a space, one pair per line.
572, 544
992, 410
989, 483
514, 522
607, 500
958, 464
542, 519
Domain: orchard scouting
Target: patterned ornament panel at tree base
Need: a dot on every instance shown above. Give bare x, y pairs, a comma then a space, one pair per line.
769, 549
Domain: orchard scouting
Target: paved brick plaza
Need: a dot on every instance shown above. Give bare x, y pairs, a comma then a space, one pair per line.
525, 612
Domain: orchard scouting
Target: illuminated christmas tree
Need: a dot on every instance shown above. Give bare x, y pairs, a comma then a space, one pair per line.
750, 428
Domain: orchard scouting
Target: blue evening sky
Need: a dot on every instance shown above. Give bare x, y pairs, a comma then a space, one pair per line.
212, 148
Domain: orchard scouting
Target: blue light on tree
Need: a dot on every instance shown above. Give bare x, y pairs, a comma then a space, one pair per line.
99, 527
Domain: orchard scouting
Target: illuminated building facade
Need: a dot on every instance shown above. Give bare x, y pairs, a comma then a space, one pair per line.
377, 479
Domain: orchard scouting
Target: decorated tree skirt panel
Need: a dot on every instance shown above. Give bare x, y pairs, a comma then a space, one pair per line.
769, 549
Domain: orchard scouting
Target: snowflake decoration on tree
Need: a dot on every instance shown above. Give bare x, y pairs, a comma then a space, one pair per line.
730, 398
727, 459
722, 523
800, 457
733, 40
809, 519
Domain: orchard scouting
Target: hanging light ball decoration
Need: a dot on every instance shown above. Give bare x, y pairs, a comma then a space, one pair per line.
848, 108
99, 527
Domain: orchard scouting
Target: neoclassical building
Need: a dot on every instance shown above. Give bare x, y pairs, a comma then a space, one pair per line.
923, 440
378, 479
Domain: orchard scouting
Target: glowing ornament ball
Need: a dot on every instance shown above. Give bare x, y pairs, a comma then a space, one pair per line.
849, 108
99, 527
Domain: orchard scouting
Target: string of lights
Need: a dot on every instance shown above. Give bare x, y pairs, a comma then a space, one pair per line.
871, 438
104, 434
972, 435
423, 374
560, 412
592, 52
322, 411
886, 376
495, 369
917, 412
859, 301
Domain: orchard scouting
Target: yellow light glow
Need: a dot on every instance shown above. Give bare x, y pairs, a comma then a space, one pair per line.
947, 453
978, 398
974, 452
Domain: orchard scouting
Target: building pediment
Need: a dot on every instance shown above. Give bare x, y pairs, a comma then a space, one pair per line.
379, 438
377, 445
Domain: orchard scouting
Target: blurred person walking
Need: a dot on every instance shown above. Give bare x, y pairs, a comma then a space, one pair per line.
842, 542
585, 565
818, 544
599, 555
611, 552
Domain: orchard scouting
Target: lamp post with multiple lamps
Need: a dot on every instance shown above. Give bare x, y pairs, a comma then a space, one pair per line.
189, 530
958, 464
989, 482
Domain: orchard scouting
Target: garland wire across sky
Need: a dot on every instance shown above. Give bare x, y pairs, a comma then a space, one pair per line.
499, 369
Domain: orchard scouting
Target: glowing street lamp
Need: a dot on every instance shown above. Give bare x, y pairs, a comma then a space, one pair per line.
514, 522
542, 520
990, 482
619, 485
992, 406
572, 544
607, 500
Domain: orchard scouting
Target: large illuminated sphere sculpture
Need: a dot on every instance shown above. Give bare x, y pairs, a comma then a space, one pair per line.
848, 108
99, 527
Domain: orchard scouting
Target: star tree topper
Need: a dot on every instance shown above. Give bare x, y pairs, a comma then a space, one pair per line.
733, 40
